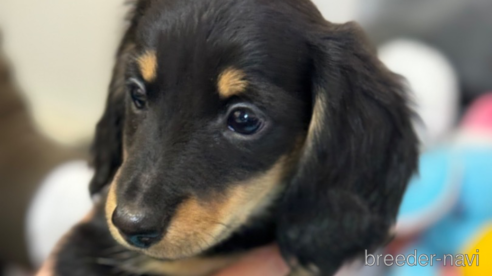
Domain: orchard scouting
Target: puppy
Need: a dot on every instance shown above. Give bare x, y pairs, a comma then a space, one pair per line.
232, 124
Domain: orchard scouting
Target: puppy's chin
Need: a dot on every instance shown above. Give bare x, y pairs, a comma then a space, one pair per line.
179, 242
178, 245
186, 245
171, 252
167, 251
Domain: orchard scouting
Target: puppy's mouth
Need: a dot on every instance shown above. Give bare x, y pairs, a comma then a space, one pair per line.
197, 225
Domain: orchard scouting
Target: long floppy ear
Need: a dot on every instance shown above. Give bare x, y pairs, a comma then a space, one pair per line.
107, 148
359, 154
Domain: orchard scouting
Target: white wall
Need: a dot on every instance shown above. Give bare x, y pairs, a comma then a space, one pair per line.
63, 52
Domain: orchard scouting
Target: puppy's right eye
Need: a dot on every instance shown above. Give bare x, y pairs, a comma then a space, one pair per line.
138, 94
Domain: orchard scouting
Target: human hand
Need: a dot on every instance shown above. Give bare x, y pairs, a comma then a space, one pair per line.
265, 261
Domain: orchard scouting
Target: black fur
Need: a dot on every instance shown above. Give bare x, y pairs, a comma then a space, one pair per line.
90, 250
344, 189
347, 191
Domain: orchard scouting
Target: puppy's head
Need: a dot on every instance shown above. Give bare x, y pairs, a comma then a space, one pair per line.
214, 107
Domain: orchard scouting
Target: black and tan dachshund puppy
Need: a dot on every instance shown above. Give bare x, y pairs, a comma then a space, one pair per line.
232, 124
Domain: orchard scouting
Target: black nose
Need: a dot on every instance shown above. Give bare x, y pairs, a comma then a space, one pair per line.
138, 227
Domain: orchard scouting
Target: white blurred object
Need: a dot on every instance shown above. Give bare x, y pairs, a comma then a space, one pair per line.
61, 201
433, 82
339, 11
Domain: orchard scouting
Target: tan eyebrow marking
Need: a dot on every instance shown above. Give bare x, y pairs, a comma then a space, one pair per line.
148, 65
231, 82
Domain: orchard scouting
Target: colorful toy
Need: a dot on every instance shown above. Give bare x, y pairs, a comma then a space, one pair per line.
449, 205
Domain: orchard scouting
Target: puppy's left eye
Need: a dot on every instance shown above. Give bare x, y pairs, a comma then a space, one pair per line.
244, 120
138, 93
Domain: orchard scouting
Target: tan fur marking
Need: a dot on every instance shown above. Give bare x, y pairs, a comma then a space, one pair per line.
111, 204
198, 225
148, 65
231, 82
317, 118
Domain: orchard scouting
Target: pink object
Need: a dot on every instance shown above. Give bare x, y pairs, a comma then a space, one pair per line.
479, 115
451, 271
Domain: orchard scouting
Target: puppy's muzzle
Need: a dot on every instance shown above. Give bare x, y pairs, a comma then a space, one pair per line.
140, 228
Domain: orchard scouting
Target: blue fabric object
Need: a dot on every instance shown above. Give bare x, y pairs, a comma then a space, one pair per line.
452, 198
434, 179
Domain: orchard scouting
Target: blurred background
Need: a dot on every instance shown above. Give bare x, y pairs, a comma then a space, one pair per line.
62, 53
